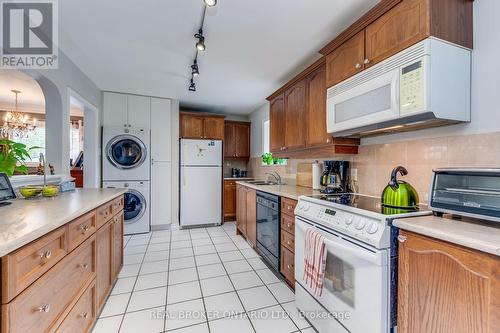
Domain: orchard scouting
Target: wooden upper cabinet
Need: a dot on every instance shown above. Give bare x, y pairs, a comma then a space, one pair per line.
446, 288
277, 123
295, 115
402, 26
242, 131
236, 139
191, 126
346, 60
229, 140
316, 113
213, 128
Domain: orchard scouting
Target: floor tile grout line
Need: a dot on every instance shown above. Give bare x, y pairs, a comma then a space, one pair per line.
236, 292
168, 278
279, 303
131, 293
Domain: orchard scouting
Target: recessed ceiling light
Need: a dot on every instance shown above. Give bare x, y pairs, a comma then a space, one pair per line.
210, 3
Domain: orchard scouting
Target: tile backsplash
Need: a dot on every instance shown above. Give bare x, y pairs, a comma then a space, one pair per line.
374, 163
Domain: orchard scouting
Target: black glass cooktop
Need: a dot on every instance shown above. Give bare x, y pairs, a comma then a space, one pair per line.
372, 204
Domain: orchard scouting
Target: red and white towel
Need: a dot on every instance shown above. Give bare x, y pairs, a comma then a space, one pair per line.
314, 261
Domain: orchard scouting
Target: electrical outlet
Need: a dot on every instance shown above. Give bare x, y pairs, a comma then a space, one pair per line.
354, 174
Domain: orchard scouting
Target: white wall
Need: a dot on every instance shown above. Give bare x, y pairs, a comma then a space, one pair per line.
55, 84
485, 116
175, 163
257, 118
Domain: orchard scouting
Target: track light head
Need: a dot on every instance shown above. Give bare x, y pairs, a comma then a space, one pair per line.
210, 3
192, 86
194, 69
200, 45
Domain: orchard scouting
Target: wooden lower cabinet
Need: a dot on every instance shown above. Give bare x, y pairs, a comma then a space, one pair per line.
444, 287
251, 215
287, 246
246, 213
241, 210
229, 200
64, 289
104, 280
83, 315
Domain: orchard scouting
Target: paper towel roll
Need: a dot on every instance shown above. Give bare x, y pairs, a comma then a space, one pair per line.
316, 175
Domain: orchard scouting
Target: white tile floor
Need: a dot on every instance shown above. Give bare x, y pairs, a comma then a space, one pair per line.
205, 280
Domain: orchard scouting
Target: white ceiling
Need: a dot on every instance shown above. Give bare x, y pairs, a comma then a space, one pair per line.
253, 47
31, 97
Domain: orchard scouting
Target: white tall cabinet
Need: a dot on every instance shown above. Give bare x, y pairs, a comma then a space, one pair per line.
123, 110
154, 115
161, 161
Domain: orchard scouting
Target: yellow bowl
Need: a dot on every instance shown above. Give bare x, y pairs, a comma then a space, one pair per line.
50, 191
30, 191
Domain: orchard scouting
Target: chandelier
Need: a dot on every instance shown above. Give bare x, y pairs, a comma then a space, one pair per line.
17, 124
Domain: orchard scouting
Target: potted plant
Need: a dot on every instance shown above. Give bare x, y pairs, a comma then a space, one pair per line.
267, 159
13, 157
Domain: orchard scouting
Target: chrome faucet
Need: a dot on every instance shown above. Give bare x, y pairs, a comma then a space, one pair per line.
276, 176
42, 159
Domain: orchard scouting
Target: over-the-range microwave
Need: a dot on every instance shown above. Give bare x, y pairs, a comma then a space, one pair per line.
425, 85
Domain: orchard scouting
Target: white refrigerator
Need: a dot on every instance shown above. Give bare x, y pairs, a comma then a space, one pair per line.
200, 182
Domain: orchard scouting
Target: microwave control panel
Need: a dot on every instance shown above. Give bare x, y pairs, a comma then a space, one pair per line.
411, 85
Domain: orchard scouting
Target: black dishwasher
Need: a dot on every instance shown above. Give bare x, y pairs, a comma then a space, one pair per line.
268, 228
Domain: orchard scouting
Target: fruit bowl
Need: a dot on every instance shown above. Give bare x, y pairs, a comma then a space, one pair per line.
30, 191
50, 191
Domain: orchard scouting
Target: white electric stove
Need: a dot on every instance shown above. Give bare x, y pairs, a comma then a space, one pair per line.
360, 279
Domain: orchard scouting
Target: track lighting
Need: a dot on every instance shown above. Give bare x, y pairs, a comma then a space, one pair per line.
192, 85
200, 45
194, 68
210, 3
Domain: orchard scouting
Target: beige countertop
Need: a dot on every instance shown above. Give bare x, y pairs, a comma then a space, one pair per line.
474, 234
238, 178
288, 191
26, 220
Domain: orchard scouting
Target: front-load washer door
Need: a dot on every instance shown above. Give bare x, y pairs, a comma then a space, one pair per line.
134, 206
126, 151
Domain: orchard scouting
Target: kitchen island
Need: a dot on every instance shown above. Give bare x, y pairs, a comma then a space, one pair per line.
60, 258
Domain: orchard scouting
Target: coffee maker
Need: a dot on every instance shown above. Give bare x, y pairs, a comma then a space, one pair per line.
335, 178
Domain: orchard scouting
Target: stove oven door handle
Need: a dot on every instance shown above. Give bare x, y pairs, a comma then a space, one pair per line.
339, 249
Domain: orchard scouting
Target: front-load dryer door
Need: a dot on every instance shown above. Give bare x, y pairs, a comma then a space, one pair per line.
126, 152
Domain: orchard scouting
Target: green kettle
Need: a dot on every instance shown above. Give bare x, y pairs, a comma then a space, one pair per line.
398, 193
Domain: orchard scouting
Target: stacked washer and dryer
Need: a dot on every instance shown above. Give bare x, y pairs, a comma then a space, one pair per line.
126, 164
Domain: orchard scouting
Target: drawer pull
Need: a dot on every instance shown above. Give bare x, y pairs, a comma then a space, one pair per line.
84, 228
289, 266
85, 315
45, 255
44, 308
288, 242
401, 238
289, 207
288, 225
84, 266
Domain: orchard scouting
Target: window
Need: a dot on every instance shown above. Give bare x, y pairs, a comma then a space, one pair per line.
35, 138
265, 137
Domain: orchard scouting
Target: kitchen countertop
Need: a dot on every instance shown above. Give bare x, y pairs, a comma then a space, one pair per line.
26, 220
287, 191
238, 178
475, 234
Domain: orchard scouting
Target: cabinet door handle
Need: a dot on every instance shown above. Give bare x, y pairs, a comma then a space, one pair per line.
358, 66
85, 315
366, 61
288, 225
84, 228
44, 308
327, 140
401, 238
45, 255
84, 266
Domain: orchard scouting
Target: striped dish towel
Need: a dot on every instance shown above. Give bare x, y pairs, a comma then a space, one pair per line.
314, 261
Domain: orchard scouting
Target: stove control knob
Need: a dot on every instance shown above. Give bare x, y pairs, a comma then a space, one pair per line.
300, 206
372, 228
349, 220
306, 207
361, 224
